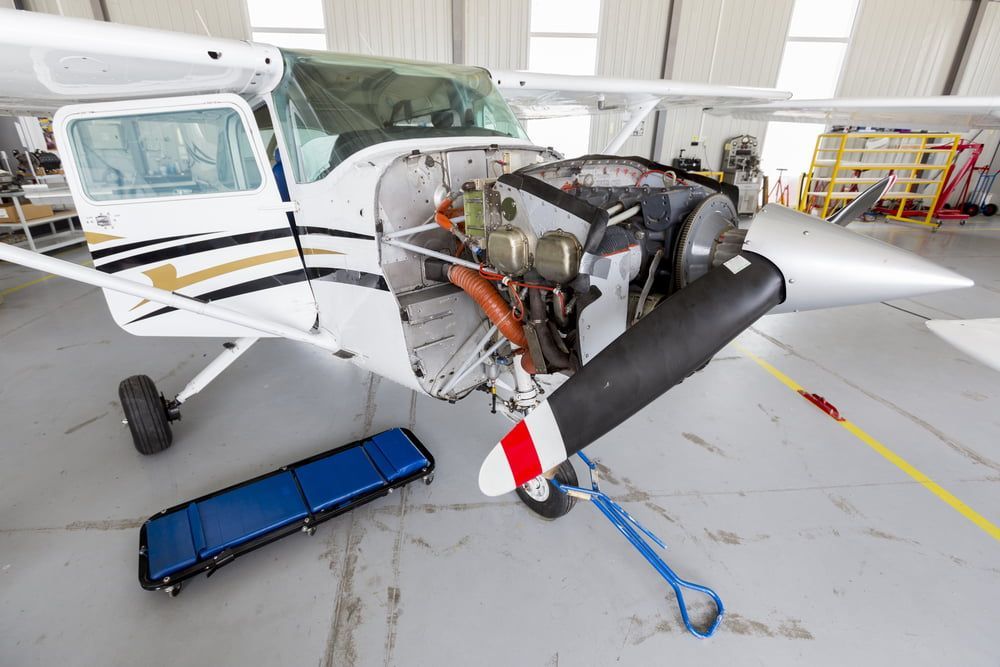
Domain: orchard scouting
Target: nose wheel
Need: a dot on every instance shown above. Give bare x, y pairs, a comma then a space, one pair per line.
544, 499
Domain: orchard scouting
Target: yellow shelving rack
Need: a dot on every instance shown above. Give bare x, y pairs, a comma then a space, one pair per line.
845, 163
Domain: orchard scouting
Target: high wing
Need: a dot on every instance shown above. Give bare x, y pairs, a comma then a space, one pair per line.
533, 96
51, 61
944, 112
553, 95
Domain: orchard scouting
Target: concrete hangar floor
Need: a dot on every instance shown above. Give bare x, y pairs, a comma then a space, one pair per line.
824, 548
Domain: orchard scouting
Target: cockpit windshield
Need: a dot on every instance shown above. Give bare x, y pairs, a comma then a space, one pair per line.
332, 105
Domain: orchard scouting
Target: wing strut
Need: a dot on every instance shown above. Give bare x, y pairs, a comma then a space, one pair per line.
83, 274
637, 114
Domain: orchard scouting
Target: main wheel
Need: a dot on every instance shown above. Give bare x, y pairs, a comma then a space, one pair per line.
544, 499
970, 209
146, 413
989, 210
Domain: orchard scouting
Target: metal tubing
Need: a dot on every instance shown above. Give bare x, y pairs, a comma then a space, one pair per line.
231, 353
468, 361
322, 338
431, 253
624, 215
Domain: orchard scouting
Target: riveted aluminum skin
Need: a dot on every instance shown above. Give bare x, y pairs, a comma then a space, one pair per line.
826, 265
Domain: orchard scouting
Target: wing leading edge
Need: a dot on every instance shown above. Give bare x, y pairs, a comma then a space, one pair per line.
944, 112
534, 95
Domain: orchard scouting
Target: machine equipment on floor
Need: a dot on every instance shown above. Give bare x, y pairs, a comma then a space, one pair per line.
741, 167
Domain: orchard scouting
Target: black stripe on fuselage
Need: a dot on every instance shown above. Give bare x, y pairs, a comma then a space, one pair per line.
184, 249
105, 252
278, 280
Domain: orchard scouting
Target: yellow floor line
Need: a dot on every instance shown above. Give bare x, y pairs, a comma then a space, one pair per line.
975, 517
48, 276
18, 288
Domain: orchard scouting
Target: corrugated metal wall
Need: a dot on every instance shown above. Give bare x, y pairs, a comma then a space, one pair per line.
496, 33
981, 76
81, 9
982, 73
903, 47
223, 18
736, 42
630, 44
419, 29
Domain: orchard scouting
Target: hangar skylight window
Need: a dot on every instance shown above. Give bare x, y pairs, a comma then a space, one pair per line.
563, 40
818, 35
293, 24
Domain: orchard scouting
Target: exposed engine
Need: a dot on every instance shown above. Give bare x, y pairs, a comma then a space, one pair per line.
561, 257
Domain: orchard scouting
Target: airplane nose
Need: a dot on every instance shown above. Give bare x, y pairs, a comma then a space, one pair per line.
826, 265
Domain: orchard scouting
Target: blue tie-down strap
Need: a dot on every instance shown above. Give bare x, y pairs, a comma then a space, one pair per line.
631, 529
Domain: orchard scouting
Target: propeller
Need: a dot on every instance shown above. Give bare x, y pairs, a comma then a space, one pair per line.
786, 261
863, 202
677, 338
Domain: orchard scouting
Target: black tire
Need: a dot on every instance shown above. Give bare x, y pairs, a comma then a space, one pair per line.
556, 503
989, 210
146, 412
970, 209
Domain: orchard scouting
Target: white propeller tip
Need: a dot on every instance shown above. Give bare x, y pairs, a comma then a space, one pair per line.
495, 476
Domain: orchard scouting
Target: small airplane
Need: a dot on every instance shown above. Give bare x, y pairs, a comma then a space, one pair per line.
395, 214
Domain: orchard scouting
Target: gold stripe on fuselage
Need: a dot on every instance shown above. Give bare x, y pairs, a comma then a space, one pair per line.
165, 277
93, 238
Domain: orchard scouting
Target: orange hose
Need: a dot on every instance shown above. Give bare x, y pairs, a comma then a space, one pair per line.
440, 215
486, 295
444, 221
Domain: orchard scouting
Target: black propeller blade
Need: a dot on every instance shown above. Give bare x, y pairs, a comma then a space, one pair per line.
673, 341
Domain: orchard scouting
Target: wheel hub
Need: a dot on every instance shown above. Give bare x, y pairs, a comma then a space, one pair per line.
537, 489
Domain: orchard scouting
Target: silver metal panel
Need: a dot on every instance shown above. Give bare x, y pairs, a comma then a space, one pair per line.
605, 319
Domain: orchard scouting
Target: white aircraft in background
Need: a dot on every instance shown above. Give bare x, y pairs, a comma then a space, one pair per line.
395, 214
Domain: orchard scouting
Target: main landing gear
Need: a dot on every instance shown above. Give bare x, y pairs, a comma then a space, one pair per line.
148, 414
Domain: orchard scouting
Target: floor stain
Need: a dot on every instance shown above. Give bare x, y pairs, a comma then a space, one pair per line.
745, 626
341, 647
424, 544
845, 506
704, 444
74, 429
106, 524
370, 404
975, 396
605, 473
882, 535
72, 345
775, 419
724, 536
392, 607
